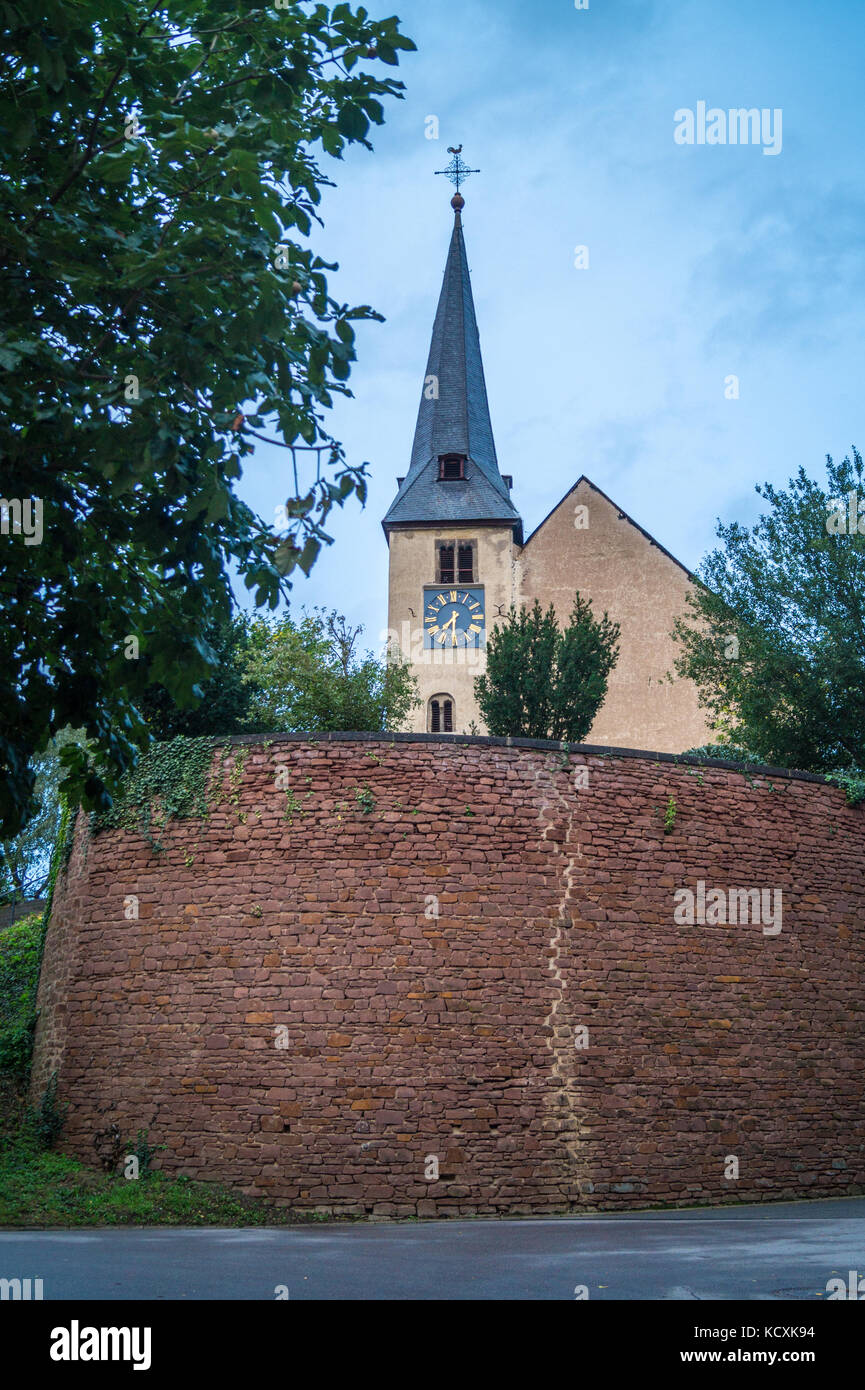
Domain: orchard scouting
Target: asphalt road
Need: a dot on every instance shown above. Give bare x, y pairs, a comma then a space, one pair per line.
779, 1252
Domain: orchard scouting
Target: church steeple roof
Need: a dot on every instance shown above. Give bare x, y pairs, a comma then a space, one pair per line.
454, 416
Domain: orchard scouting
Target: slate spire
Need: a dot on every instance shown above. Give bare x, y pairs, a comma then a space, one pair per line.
454, 416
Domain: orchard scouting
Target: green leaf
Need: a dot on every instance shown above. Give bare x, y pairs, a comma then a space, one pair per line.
374, 109
115, 168
352, 122
307, 556
331, 140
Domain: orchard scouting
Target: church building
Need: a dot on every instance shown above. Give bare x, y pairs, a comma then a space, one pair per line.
459, 558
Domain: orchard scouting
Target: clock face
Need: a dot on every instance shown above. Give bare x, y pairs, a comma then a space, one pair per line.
453, 617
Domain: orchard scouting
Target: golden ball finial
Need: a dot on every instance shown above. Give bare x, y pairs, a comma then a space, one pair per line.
458, 202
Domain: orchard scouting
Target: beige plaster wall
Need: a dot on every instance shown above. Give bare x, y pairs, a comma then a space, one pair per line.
612, 563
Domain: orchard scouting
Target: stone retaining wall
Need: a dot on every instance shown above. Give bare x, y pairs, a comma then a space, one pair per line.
386, 950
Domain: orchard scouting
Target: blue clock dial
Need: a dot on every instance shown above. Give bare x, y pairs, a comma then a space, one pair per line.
453, 617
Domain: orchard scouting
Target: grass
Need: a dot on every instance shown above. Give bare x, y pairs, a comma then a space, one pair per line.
40, 1189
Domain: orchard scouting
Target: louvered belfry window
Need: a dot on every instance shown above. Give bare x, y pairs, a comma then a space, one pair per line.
446, 564
441, 710
456, 563
451, 467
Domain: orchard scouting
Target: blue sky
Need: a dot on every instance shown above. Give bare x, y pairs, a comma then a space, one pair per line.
704, 261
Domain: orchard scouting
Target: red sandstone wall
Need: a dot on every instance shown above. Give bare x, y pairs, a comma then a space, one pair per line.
410, 1035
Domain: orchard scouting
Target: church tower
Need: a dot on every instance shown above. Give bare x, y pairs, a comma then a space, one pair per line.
452, 529
458, 560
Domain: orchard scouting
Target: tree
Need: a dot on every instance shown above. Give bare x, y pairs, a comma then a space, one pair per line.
777, 645
544, 683
25, 861
226, 695
309, 676
162, 310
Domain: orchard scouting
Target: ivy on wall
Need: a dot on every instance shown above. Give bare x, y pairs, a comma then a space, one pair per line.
60, 856
21, 946
852, 780
170, 782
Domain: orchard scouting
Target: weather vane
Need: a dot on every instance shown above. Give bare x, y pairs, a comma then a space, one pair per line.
457, 171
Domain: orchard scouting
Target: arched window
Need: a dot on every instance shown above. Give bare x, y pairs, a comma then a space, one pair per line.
441, 714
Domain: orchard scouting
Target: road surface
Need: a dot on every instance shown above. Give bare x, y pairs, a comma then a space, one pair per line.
779, 1252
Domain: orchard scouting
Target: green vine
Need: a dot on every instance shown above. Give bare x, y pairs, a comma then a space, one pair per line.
670, 816
48, 1118
235, 776
852, 780
59, 856
170, 782
144, 1151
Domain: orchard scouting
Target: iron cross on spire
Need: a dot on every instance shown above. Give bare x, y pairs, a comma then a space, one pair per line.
457, 171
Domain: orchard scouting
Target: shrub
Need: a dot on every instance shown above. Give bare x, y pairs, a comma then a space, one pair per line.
48, 1118
726, 751
20, 955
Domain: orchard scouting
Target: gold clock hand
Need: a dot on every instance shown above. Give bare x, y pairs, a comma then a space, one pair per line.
445, 626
